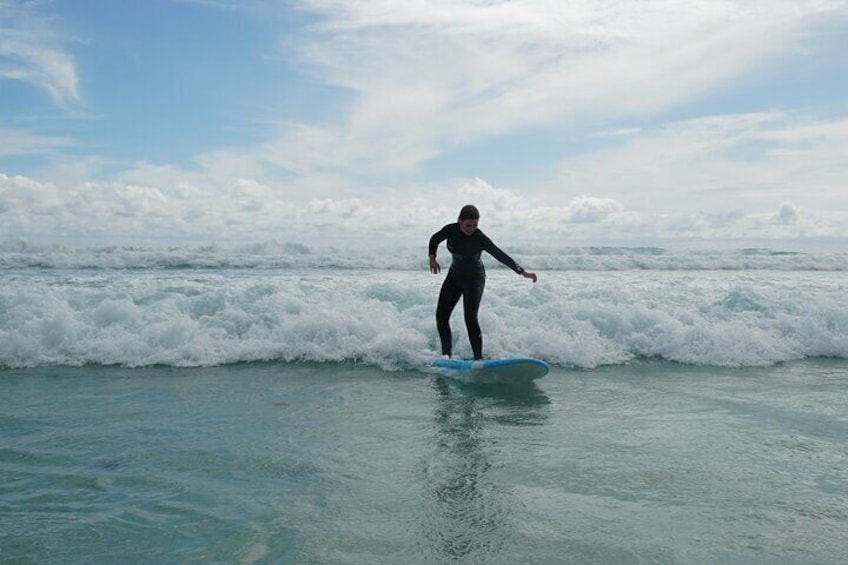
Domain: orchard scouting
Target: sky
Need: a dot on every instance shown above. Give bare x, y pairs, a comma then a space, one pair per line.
581, 122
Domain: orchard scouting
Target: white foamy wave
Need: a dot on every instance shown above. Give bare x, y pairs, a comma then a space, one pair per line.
293, 255
385, 318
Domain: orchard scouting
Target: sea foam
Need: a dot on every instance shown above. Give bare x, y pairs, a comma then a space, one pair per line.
149, 307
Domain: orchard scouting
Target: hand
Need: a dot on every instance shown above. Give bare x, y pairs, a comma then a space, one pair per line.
435, 268
531, 276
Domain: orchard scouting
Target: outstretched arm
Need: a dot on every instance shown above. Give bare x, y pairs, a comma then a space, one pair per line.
501, 256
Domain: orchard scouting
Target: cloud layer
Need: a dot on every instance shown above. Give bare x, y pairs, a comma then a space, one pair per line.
248, 211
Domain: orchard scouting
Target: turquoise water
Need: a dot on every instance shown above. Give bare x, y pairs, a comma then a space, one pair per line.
271, 404
645, 462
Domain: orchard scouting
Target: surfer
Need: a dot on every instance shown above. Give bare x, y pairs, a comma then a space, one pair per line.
466, 276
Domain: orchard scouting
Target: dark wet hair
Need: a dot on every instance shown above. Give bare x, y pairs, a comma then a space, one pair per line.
469, 212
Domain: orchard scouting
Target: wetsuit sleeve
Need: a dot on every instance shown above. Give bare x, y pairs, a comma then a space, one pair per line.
437, 238
497, 253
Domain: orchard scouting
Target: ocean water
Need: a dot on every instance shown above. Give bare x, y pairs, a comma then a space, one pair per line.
273, 404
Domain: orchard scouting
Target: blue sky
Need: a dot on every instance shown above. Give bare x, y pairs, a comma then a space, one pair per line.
620, 122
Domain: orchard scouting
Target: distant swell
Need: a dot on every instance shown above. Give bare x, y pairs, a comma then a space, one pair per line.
292, 255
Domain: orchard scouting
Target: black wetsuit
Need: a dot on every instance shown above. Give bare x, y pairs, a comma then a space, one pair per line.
467, 278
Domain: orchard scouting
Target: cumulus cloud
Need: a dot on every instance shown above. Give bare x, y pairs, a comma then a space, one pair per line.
251, 211
788, 214
484, 195
587, 209
332, 210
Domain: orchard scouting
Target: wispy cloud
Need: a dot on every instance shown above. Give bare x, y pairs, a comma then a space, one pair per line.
428, 75
30, 52
22, 142
740, 161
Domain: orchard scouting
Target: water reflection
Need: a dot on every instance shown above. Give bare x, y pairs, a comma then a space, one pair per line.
469, 499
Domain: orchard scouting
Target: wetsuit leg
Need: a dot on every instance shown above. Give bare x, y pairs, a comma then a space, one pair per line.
472, 294
448, 297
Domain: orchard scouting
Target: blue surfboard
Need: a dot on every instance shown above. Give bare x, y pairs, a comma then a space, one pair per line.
508, 370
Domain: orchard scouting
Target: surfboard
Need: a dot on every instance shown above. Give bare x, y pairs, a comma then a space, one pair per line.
507, 370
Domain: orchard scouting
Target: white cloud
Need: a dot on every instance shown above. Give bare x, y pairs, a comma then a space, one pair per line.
249, 211
587, 209
14, 142
29, 52
335, 209
484, 195
789, 214
427, 75
733, 162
